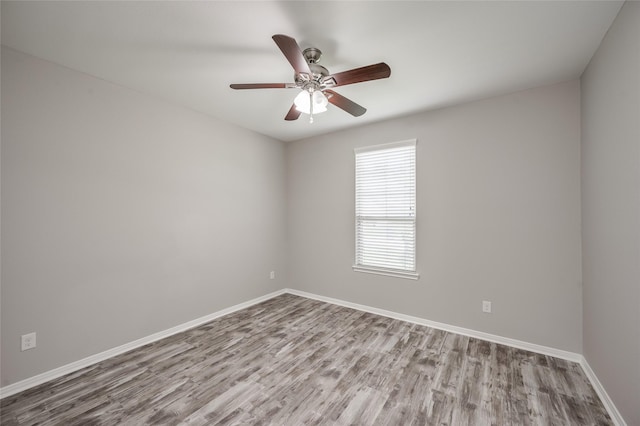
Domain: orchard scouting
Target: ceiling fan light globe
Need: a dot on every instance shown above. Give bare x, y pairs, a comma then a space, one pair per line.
304, 99
302, 102
320, 101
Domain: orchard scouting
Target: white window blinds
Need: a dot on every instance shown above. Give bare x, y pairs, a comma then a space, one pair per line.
386, 207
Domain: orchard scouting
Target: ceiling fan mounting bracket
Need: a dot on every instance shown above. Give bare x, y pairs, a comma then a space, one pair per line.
312, 55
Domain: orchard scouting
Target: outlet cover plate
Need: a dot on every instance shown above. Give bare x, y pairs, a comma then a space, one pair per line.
28, 341
486, 306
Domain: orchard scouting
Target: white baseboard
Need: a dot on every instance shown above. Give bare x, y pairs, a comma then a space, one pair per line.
93, 359
544, 350
602, 393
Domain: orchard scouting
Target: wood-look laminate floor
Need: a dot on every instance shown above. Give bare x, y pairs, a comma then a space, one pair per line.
296, 361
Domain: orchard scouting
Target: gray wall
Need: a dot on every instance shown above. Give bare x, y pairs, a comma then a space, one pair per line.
498, 216
611, 212
123, 215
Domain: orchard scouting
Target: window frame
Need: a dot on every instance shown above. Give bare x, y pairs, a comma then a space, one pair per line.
392, 272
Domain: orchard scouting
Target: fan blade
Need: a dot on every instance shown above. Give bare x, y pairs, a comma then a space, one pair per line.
293, 113
263, 86
358, 75
292, 52
344, 103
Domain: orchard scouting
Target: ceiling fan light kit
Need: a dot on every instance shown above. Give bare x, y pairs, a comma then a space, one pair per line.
311, 102
315, 81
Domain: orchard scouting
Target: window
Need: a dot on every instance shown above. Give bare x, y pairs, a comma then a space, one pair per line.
386, 209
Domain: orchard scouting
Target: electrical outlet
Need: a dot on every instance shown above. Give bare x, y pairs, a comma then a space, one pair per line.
28, 341
272, 275
486, 306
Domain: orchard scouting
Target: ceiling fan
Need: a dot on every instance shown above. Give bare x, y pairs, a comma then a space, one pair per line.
315, 81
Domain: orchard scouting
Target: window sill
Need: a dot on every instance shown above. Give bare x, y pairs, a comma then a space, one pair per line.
387, 272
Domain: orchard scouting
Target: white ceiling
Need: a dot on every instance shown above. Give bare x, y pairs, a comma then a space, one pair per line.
440, 53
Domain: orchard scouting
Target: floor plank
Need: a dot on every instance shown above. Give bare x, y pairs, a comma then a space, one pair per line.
297, 361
